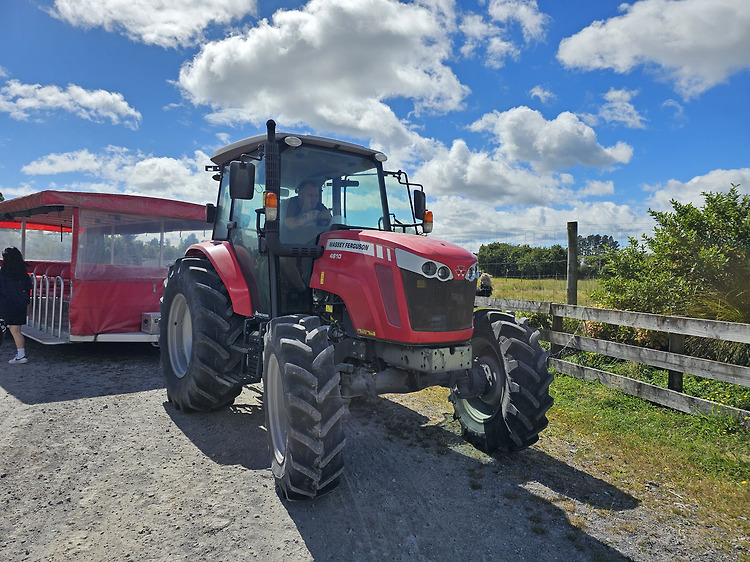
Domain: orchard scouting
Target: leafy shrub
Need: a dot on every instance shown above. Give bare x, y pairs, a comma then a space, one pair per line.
697, 263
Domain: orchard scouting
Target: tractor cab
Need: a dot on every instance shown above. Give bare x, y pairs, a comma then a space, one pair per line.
276, 199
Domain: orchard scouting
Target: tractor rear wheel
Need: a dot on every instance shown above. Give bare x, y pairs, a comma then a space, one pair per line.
197, 328
303, 407
510, 414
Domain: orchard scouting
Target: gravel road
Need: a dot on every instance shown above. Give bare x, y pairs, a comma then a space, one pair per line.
96, 465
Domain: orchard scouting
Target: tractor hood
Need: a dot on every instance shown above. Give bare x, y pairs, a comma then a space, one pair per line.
408, 251
400, 287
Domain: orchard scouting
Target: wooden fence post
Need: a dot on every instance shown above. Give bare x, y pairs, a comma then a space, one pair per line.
572, 287
676, 345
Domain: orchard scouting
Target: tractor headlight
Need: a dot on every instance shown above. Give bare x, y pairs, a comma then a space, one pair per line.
473, 273
429, 268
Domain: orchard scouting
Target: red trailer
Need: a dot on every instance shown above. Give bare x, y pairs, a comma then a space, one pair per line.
98, 260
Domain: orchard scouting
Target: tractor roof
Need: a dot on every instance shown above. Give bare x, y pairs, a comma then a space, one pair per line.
236, 149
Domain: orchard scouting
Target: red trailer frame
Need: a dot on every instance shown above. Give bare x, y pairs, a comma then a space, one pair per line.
98, 261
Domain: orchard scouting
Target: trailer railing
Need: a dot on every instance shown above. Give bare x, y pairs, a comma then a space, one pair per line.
48, 300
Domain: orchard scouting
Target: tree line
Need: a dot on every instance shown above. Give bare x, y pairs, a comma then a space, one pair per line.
501, 259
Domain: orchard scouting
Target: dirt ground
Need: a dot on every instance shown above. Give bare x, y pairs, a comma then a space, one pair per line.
96, 465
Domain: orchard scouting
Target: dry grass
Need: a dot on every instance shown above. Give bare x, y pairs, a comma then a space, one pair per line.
545, 290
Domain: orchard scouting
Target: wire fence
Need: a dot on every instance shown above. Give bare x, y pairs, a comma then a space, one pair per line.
526, 270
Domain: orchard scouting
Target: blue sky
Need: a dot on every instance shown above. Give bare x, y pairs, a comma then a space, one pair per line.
517, 115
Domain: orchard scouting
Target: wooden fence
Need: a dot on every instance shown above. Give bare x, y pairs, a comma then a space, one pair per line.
674, 361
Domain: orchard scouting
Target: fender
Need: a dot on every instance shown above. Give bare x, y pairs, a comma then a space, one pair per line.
223, 257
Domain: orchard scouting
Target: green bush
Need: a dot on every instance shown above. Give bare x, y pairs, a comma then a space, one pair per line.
696, 263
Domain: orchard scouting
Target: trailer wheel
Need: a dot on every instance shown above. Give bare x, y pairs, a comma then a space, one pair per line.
303, 407
510, 414
196, 329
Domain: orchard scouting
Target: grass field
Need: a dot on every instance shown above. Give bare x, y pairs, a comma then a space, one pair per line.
698, 461
545, 290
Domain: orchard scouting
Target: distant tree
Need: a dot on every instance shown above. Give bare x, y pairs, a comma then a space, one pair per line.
596, 245
189, 241
495, 257
593, 251
507, 260
543, 262
1, 197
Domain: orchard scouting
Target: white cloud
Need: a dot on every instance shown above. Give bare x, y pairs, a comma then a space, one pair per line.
183, 179
691, 190
118, 170
597, 188
497, 40
479, 33
17, 191
524, 134
524, 169
678, 112
525, 12
696, 44
545, 96
21, 100
223, 138
3, 72
331, 65
618, 109
462, 221
492, 178
155, 22
77, 161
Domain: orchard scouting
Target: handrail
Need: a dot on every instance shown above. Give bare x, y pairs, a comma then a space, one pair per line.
47, 308
54, 302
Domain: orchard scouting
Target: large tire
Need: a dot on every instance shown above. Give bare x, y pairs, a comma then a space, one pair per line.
510, 414
197, 328
303, 407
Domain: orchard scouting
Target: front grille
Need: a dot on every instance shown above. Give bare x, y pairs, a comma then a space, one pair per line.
438, 306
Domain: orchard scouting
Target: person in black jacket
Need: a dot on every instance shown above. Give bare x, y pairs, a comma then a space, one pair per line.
15, 286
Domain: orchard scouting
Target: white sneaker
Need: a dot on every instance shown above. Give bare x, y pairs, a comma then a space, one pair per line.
17, 361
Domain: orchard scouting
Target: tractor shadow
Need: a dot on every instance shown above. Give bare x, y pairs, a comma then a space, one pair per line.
416, 491
82, 370
234, 435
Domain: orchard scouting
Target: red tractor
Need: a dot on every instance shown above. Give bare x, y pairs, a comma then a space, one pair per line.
319, 281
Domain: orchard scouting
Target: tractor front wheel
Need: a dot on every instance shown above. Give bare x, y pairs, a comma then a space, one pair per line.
511, 412
303, 407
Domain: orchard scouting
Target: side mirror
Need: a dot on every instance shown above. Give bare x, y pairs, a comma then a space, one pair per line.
210, 213
241, 180
419, 204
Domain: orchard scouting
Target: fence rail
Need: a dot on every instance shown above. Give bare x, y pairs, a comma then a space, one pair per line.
673, 360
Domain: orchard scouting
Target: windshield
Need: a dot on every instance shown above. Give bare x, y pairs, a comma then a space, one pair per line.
321, 188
